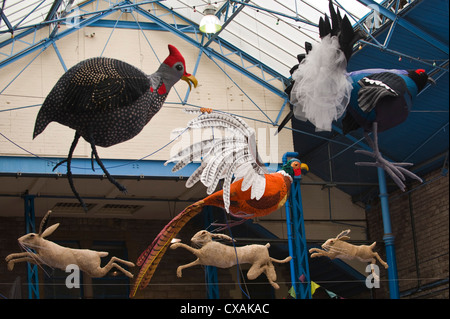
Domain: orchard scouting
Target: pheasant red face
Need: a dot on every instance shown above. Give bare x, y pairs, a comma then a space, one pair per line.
420, 71
297, 166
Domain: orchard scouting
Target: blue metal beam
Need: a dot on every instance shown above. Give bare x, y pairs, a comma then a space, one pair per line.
407, 25
22, 165
43, 44
227, 21
7, 23
30, 227
28, 14
295, 18
52, 12
388, 237
213, 54
297, 239
180, 30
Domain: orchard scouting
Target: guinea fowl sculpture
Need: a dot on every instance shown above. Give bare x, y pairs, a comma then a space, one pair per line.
323, 91
254, 191
108, 101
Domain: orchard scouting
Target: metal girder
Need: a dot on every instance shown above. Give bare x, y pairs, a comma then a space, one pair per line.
223, 45
227, 20
44, 43
5, 19
407, 25
30, 227
298, 249
38, 166
263, 77
52, 12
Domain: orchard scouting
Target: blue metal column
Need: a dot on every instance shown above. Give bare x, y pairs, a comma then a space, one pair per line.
212, 287
388, 237
32, 270
297, 238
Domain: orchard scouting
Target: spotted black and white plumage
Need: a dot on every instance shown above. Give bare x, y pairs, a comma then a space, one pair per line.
101, 98
108, 101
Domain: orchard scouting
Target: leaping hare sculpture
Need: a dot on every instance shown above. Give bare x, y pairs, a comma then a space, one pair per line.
212, 253
56, 256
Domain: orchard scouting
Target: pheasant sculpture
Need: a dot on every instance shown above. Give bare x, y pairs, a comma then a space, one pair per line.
107, 101
254, 192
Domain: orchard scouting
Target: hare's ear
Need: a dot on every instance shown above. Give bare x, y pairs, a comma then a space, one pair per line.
44, 222
222, 236
343, 235
49, 230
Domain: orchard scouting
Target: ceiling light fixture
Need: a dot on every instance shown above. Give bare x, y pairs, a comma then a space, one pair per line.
210, 23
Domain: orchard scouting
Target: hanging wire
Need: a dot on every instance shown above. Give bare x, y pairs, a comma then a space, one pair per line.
111, 33
237, 260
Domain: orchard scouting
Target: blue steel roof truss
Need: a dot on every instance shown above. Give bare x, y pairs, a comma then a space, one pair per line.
392, 19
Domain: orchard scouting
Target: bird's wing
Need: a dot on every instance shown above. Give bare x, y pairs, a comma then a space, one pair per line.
223, 157
99, 84
376, 86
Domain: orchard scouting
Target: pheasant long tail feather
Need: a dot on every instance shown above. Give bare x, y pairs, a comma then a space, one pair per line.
150, 258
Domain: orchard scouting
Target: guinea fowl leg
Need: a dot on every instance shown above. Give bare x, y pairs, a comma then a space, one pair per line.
69, 171
99, 162
395, 170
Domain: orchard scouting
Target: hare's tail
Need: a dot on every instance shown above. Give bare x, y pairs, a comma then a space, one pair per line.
285, 260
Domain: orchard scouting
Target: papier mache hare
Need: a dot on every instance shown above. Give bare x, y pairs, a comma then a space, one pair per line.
339, 248
56, 256
212, 253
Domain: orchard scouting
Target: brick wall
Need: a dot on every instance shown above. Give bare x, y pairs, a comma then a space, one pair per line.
137, 235
420, 224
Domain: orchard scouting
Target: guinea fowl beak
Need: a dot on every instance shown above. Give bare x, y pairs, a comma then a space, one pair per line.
189, 78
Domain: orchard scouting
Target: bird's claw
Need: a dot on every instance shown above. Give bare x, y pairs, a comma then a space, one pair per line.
395, 170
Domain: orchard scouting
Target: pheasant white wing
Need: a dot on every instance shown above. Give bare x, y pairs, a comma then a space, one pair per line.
234, 154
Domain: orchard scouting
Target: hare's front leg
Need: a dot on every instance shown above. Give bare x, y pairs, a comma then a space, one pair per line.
21, 257
189, 248
318, 252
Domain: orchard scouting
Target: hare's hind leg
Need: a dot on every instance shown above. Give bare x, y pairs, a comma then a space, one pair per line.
180, 268
385, 265
101, 272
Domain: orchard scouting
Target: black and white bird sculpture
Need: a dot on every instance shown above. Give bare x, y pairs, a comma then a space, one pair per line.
322, 91
108, 101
